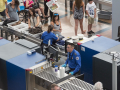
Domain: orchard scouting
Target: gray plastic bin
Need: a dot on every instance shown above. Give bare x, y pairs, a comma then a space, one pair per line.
104, 15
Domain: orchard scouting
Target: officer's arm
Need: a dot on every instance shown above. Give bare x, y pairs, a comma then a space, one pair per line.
78, 61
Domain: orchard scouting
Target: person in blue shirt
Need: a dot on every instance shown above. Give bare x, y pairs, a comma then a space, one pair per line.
49, 35
73, 60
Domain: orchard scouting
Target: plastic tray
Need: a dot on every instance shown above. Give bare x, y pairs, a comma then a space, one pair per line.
105, 15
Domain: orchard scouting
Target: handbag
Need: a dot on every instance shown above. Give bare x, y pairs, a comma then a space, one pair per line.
35, 30
7, 21
35, 5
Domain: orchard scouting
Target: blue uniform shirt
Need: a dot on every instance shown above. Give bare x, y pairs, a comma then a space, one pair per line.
74, 60
48, 36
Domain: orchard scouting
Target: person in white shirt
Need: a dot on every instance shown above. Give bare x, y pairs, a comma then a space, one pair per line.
91, 12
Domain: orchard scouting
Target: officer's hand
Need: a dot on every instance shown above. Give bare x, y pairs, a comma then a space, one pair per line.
64, 65
71, 73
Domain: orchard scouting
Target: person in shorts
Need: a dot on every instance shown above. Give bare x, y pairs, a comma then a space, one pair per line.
91, 12
3, 3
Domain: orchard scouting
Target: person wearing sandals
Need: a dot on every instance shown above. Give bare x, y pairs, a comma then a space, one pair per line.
29, 4
46, 10
78, 12
57, 24
91, 12
33, 20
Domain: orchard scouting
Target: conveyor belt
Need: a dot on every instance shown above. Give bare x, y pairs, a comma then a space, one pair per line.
69, 86
82, 84
47, 76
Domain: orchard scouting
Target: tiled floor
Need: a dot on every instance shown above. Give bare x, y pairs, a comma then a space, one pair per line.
102, 27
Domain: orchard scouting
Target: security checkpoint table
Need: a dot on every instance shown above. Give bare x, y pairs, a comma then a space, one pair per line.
90, 48
3, 42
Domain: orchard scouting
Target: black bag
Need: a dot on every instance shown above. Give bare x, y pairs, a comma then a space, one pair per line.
36, 5
7, 21
35, 30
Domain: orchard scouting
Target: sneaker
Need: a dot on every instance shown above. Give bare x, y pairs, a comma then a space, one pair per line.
89, 32
92, 32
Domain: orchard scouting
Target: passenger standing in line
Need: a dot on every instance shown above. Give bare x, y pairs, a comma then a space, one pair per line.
57, 29
78, 12
11, 10
91, 12
2, 7
46, 9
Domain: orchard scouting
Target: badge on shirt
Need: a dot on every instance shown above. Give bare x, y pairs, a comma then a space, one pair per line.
75, 54
77, 58
72, 57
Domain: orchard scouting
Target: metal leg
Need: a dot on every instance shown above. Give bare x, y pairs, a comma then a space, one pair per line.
6, 35
114, 74
100, 6
1, 33
12, 38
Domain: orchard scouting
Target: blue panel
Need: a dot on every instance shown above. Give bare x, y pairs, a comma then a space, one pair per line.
100, 44
26, 61
15, 77
86, 62
22, 8
9, 0
3, 42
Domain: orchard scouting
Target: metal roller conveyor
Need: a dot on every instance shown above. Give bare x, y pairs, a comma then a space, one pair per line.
49, 77
70, 86
82, 84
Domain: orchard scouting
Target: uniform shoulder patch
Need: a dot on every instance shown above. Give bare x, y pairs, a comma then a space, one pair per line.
77, 58
75, 54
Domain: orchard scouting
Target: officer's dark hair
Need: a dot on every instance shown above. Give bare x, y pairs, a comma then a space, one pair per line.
90, 0
50, 28
71, 44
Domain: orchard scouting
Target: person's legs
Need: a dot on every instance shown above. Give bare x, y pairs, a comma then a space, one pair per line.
3, 13
81, 26
45, 8
42, 10
89, 25
51, 15
38, 10
76, 26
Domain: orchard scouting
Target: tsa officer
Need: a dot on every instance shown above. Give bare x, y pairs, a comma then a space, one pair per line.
49, 35
73, 60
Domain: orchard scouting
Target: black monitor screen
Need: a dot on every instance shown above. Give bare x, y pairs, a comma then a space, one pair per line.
54, 52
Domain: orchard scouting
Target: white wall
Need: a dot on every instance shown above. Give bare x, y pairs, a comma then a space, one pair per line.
21, 4
115, 18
